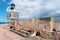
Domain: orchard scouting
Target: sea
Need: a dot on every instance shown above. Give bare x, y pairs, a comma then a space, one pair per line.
3, 22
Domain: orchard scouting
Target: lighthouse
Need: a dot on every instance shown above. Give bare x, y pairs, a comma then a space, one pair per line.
13, 15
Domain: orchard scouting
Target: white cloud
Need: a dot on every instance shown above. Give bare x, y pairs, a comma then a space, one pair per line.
24, 16
50, 6
58, 11
32, 8
28, 7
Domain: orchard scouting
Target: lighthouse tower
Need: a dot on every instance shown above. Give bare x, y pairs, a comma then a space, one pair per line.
13, 15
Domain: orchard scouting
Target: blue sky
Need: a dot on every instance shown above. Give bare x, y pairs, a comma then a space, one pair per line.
32, 8
3, 14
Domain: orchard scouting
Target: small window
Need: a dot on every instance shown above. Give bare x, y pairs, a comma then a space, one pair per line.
10, 15
45, 27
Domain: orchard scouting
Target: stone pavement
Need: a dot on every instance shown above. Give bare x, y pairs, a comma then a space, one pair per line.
8, 35
5, 34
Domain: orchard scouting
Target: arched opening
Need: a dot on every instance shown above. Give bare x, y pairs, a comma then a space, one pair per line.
38, 34
54, 29
12, 27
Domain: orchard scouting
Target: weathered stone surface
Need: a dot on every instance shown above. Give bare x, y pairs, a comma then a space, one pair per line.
5, 34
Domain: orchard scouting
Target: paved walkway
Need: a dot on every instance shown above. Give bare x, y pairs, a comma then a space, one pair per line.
8, 35
5, 34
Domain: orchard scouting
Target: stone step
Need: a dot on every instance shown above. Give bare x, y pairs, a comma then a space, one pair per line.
20, 33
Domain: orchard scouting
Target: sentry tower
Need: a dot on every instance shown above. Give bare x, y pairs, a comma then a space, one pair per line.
13, 15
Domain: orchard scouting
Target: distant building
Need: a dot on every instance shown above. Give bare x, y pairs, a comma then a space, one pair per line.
57, 26
45, 24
